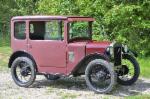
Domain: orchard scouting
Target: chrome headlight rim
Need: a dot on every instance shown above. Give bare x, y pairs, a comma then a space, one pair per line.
125, 47
110, 49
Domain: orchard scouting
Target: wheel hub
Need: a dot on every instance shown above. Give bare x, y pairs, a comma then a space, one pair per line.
24, 71
100, 75
124, 70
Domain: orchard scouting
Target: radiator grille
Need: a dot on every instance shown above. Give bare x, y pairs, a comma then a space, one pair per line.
117, 55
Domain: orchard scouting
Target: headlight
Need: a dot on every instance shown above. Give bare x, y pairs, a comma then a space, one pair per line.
126, 48
111, 50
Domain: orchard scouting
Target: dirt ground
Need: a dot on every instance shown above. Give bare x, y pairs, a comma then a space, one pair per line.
65, 88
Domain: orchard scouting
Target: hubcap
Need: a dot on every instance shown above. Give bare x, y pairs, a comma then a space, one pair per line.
23, 72
100, 77
124, 70
127, 71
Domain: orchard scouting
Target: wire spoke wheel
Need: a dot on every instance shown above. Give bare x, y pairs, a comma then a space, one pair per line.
129, 72
23, 71
99, 76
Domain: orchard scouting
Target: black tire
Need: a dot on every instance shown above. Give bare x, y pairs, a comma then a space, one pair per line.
136, 74
26, 64
51, 77
88, 74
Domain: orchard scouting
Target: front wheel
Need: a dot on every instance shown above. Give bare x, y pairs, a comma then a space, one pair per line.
23, 71
130, 70
99, 76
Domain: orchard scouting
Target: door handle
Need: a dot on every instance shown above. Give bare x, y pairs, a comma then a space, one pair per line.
29, 45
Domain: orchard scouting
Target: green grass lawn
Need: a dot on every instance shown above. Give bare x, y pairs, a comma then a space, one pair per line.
144, 66
143, 96
5, 53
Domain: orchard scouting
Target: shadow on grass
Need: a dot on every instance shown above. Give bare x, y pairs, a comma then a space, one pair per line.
78, 84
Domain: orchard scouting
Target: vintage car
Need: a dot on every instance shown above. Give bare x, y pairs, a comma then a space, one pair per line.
58, 46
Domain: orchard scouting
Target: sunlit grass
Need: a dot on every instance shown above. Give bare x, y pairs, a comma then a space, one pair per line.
143, 96
144, 66
4, 57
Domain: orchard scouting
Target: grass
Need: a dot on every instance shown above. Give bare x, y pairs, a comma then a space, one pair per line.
62, 94
65, 95
4, 42
144, 66
5, 53
144, 96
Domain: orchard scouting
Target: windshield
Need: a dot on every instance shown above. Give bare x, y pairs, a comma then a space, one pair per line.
80, 30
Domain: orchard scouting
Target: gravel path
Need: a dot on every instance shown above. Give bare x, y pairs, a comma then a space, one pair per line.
65, 88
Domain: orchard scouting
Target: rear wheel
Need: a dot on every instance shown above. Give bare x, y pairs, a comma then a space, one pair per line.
130, 70
23, 71
100, 76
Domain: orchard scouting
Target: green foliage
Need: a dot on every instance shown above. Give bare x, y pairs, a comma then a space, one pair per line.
126, 21
130, 23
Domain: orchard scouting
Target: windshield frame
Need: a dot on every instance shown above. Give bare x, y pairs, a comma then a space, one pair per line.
80, 38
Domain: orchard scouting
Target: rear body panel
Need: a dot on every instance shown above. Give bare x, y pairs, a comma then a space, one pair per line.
18, 44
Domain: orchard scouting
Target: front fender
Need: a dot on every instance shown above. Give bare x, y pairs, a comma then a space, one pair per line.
131, 52
83, 63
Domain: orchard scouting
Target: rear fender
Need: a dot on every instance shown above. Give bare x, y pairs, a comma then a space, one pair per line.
19, 54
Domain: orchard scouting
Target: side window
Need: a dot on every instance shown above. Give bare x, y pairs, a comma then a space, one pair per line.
19, 30
37, 30
46, 30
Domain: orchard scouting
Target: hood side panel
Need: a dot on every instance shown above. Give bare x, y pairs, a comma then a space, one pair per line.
96, 47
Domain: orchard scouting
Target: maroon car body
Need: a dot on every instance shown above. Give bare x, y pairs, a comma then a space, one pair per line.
58, 46
52, 56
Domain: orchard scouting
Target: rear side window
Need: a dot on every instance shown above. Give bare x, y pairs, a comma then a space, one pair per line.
46, 30
19, 30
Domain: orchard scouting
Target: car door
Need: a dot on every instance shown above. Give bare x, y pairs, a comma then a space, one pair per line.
46, 43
